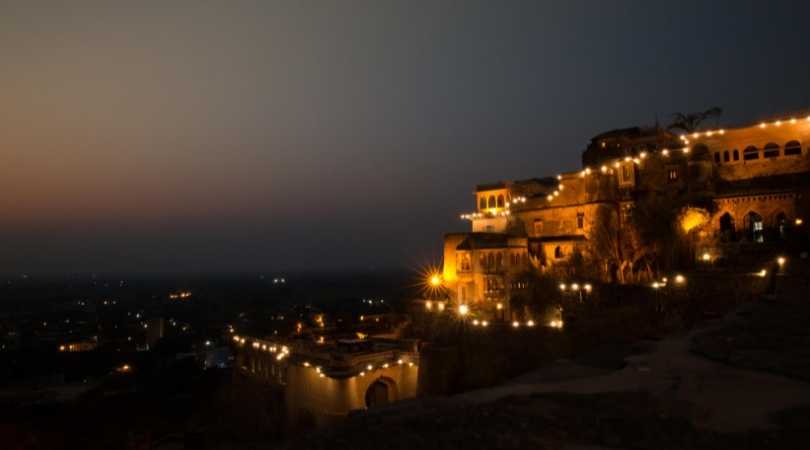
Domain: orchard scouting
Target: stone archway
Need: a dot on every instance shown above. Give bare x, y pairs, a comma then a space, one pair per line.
727, 230
754, 227
381, 391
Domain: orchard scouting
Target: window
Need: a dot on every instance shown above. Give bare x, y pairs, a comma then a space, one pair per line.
499, 260
736, 155
717, 157
580, 220
501, 203
771, 150
558, 252
465, 263
725, 156
750, 153
793, 148
625, 173
672, 174
491, 201
482, 203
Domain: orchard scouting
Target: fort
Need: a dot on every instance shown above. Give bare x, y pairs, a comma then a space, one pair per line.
644, 200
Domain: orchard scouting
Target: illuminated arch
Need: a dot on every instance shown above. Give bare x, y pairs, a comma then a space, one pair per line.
491, 201
754, 227
381, 391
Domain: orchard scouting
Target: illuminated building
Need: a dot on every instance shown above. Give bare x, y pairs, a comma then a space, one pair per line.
755, 178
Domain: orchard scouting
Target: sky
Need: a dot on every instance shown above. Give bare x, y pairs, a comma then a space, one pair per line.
332, 135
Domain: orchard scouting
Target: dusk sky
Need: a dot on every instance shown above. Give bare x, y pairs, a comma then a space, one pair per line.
269, 135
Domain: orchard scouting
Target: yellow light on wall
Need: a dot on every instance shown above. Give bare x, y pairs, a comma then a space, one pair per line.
463, 310
707, 257
781, 261
499, 306
484, 323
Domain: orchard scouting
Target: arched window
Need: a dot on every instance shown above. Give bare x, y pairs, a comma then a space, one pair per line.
727, 232
736, 155
500, 201
482, 203
490, 260
491, 201
750, 153
558, 252
499, 260
754, 227
725, 156
793, 148
771, 150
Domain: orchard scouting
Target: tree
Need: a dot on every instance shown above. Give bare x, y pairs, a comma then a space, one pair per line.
689, 122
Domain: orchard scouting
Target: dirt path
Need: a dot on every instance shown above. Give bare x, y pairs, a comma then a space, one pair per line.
708, 394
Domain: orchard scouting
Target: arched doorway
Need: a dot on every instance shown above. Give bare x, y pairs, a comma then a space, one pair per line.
378, 394
727, 232
754, 227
